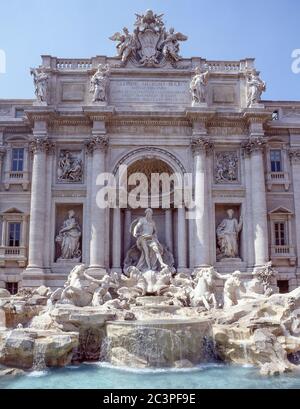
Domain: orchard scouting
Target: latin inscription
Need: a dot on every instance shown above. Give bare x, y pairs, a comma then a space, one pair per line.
159, 92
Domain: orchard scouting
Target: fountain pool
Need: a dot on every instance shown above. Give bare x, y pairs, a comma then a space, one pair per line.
104, 376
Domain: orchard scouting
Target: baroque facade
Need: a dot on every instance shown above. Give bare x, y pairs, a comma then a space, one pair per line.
156, 112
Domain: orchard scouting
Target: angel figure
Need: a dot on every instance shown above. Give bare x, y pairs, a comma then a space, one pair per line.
170, 46
40, 80
127, 44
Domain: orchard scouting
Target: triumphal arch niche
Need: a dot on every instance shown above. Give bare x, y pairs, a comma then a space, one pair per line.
148, 110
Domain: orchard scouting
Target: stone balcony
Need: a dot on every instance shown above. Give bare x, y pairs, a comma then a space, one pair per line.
16, 178
283, 253
278, 178
11, 255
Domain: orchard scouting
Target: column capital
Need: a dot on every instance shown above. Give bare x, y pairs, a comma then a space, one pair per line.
97, 142
253, 144
201, 144
294, 154
39, 144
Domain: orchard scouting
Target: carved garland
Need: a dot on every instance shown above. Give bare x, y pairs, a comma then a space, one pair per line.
201, 144
255, 144
99, 142
294, 155
39, 145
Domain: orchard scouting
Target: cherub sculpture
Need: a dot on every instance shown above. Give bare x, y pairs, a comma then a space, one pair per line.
170, 46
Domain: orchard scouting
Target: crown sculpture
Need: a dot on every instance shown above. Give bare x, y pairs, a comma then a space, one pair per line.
150, 44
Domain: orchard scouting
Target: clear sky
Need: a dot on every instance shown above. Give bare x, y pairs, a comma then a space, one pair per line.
268, 30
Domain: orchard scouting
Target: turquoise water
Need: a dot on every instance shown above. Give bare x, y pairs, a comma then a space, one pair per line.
97, 376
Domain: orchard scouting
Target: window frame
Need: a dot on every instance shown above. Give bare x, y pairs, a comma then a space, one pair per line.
18, 159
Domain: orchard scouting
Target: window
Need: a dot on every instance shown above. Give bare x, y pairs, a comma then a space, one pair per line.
280, 236
13, 288
17, 160
275, 116
283, 286
19, 113
276, 162
14, 234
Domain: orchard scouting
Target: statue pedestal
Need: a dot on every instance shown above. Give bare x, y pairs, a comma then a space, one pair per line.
40, 104
199, 105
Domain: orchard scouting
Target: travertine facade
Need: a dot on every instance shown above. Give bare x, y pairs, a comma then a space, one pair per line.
154, 111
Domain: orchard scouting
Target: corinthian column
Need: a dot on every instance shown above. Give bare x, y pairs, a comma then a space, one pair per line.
40, 146
295, 159
97, 147
255, 147
2, 154
201, 146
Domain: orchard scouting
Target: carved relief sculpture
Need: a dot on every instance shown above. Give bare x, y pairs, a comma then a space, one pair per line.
99, 83
228, 236
226, 169
70, 167
69, 239
40, 80
255, 89
198, 86
150, 45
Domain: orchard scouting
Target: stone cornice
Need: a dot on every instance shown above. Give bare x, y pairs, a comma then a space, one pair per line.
98, 112
257, 116
42, 113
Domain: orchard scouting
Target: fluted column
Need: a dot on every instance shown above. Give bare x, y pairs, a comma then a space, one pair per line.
169, 229
127, 234
255, 148
4, 229
181, 239
97, 147
2, 155
201, 146
116, 239
40, 146
295, 162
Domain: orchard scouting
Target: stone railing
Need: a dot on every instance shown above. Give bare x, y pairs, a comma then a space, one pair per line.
284, 252
13, 254
278, 178
228, 66
16, 178
74, 64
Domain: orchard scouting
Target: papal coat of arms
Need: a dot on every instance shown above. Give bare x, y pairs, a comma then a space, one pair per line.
150, 45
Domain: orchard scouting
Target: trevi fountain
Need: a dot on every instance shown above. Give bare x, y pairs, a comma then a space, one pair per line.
152, 319
126, 296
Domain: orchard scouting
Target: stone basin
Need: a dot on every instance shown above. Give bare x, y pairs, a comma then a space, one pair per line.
158, 343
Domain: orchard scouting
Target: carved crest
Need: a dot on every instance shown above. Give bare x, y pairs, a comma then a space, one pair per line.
150, 45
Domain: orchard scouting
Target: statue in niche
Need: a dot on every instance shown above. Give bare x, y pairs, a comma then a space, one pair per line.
40, 80
99, 83
228, 236
226, 167
198, 86
255, 89
69, 239
70, 168
144, 230
151, 263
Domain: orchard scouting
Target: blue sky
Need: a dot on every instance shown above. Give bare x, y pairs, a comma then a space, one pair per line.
268, 30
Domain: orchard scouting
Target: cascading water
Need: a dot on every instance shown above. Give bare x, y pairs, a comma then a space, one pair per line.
39, 357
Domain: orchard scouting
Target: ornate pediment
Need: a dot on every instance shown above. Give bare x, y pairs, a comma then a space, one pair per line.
150, 44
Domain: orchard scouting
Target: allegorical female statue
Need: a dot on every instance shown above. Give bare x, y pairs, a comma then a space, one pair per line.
40, 80
255, 89
228, 236
69, 239
198, 86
